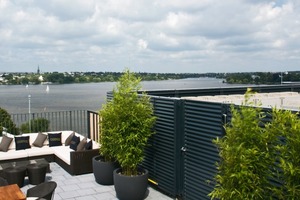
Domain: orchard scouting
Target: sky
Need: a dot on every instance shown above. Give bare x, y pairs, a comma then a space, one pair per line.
158, 36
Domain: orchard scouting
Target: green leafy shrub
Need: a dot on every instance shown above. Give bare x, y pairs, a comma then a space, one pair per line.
259, 158
245, 156
37, 125
286, 126
126, 124
6, 121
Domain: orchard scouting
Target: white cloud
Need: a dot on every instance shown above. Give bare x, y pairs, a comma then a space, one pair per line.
142, 44
155, 36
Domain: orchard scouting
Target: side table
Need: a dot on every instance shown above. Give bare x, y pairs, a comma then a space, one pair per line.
36, 173
15, 175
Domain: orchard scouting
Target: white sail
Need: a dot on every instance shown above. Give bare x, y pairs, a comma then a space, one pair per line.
47, 89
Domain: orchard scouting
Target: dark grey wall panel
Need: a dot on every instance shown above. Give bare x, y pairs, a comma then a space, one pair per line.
203, 123
160, 158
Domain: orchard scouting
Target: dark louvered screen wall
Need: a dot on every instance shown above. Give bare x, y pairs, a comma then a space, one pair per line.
161, 157
190, 125
203, 123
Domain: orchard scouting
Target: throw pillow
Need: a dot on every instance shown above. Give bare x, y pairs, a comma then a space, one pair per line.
54, 139
40, 139
5, 142
22, 142
89, 145
69, 138
74, 142
81, 144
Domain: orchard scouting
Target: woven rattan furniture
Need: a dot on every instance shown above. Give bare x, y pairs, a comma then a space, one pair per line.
74, 162
15, 175
36, 173
3, 182
44, 190
23, 163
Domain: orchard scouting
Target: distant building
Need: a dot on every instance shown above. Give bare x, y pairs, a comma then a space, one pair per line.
41, 78
38, 70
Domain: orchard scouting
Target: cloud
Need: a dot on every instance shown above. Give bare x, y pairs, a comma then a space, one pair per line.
155, 36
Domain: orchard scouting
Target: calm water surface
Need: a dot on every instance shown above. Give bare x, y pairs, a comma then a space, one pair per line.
89, 96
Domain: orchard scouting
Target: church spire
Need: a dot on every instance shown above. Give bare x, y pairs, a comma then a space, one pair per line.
38, 70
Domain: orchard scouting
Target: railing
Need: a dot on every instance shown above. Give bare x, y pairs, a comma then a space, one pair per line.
81, 121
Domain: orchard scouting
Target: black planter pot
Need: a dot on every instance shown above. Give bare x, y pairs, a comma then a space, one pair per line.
103, 171
131, 187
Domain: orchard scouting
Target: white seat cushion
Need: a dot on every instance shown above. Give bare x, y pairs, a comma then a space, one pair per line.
96, 145
39, 151
63, 152
13, 154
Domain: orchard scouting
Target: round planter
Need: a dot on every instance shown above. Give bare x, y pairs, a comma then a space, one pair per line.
131, 187
103, 171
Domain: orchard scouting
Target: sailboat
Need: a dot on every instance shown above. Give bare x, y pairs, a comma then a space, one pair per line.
47, 89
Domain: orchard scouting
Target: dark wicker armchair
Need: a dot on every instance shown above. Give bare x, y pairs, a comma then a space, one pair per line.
44, 190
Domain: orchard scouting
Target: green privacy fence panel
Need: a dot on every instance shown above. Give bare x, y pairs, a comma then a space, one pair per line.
161, 157
203, 123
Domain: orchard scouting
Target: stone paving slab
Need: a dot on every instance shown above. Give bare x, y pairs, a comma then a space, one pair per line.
83, 187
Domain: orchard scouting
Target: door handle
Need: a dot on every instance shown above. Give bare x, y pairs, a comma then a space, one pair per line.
183, 149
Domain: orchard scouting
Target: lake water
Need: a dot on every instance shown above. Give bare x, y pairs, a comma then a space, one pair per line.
88, 96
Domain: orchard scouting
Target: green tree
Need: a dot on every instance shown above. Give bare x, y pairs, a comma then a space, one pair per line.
6, 122
36, 125
34, 79
55, 77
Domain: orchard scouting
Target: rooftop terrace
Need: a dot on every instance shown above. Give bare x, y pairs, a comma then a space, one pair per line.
284, 100
84, 187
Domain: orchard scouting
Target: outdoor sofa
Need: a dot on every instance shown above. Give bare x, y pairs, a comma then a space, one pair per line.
74, 154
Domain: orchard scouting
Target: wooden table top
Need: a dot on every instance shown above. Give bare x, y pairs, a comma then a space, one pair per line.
11, 192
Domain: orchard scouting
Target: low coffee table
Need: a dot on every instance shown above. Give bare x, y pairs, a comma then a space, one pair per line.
23, 163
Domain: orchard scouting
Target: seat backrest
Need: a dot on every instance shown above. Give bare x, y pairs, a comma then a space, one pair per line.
44, 190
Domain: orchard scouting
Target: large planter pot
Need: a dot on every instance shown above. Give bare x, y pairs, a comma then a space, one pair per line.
131, 187
103, 171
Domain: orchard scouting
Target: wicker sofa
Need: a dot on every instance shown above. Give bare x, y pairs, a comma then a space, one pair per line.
75, 162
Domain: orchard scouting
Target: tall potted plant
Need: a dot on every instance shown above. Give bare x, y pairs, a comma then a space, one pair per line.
132, 125
245, 155
105, 163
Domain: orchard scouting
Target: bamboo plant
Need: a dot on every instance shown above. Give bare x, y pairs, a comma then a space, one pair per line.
126, 123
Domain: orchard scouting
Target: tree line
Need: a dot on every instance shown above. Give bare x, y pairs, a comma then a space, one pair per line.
84, 77
262, 77
88, 77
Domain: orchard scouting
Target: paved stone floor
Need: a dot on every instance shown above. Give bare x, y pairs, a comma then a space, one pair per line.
84, 187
